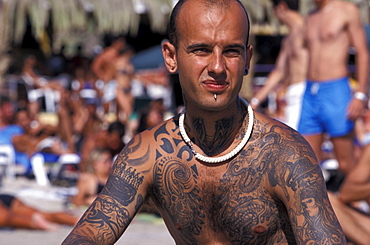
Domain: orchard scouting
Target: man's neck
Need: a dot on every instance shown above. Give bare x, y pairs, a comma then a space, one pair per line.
294, 20
323, 5
215, 134
3, 124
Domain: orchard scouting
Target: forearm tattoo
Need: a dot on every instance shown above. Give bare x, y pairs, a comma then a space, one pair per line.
107, 215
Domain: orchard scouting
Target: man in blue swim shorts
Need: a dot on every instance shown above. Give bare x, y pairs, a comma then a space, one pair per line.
324, 108
330, 106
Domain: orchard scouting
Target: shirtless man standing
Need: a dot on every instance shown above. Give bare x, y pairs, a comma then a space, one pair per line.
329, 106
103, 65
218, 173
291, 64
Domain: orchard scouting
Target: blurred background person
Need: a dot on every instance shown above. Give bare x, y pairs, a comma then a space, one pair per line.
16, 214
93, 180
151, 115
330, 106
7, 126
351, 202
110, 139
125, 73
103, 64
291, 65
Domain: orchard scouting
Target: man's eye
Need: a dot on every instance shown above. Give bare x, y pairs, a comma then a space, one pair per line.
201, 51
232, 52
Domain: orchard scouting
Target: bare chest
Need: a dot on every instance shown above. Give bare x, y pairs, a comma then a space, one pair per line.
225, 203
326, 29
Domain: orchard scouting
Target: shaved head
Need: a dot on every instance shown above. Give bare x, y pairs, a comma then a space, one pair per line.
173, 28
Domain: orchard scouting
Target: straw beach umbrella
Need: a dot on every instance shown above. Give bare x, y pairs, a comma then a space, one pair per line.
57, 23
70, 23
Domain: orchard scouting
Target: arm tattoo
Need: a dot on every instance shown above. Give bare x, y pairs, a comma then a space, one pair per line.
244, 204
167, 147
131, 147
106, 219
124, 185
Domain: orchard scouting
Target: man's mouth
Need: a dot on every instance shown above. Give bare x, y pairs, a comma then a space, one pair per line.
215, 86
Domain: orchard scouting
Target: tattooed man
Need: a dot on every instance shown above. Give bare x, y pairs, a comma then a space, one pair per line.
218, 172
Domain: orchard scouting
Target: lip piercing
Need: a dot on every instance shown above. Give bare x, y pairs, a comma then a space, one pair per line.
215, 96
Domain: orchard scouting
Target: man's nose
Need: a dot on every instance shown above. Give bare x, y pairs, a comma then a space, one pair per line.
217, 64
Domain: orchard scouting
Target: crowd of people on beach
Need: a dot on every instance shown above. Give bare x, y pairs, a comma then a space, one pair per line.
98, 103
82, 115
95, 108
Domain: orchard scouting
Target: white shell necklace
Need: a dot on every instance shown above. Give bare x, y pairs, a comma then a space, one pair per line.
228, 155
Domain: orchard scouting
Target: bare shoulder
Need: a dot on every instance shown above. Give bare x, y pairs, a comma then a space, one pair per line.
336, 8
345, 4
87, 177
345, 9
269, 122
140, 152
290, 159
287, 143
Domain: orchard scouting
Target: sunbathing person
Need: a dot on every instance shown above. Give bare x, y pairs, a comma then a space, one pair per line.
91, 182
16, 214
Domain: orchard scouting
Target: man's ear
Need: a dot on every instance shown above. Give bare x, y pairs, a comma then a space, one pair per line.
284, 5
249, 56
169, 55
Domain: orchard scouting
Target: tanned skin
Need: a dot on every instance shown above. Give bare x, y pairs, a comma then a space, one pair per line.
272, 192
330, 31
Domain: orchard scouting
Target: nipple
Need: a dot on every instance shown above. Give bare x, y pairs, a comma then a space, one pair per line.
178, 226
260, 230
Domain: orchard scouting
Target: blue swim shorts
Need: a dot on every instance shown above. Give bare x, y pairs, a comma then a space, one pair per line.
324, 108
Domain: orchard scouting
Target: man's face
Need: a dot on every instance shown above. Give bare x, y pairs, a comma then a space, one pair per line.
23, 120
212, 53
114, 141
7, 111
318, 2
280, 11
104, 163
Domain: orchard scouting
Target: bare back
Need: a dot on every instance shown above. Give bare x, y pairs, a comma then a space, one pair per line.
297, 55
328, 40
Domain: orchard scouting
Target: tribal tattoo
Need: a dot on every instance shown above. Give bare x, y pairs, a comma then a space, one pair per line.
177, 190
109, 215
212, 145
267, 194
242, 206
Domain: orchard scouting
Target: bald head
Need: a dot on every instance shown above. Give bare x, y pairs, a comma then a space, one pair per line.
173, 30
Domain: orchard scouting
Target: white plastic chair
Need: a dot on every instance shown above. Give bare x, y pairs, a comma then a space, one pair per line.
39, 171
7, 162
52, 97
67, 169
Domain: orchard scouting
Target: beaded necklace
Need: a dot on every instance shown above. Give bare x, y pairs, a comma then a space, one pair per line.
228, 155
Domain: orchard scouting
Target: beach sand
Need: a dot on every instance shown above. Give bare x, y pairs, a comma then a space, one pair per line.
144, 229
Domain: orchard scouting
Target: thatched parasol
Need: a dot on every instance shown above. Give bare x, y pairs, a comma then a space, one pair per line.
57, 23
69, 23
